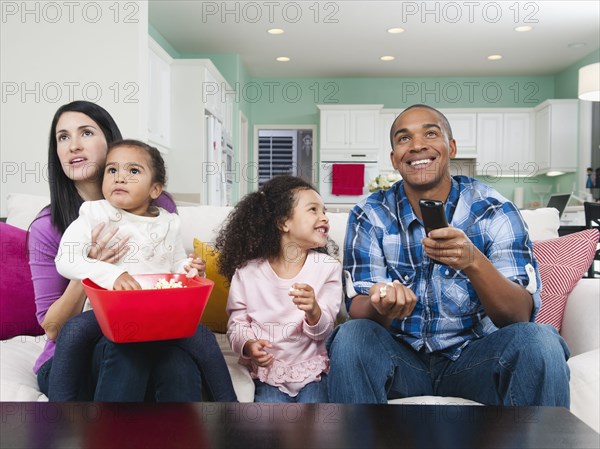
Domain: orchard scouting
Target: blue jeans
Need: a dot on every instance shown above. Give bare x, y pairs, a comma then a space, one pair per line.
311, 393
69, 378
518, 365
43, 376
154, 371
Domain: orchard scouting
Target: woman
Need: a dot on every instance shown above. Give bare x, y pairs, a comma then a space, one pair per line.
79, 138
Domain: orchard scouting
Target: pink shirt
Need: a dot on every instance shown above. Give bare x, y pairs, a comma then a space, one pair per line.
260, 307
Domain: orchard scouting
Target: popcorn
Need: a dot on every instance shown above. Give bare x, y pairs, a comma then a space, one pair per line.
162, 284
383, 290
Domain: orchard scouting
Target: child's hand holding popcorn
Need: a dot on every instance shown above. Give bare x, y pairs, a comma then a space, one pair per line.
196, 267
254, 349
303, 296
126, 282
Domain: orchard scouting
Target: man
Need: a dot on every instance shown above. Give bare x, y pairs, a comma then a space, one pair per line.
451, 313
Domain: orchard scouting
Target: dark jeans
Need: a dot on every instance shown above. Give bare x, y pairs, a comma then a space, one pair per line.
43, 376
523, 364
69, 375
154, 371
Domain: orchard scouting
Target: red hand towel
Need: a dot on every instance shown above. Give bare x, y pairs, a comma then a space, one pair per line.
347, 179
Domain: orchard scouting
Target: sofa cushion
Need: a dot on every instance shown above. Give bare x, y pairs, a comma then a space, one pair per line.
215, 315
585, 387
581, 319
433, 400
17, 380
562, 262
22, 208
17, 299
201, 222
543, 223
240, 376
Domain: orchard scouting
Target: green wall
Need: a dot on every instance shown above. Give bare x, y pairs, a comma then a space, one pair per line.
284, 99
293, 101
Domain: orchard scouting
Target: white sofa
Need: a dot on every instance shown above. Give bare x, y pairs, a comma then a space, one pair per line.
580, 326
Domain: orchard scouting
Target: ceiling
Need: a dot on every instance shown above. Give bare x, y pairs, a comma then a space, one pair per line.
347, 38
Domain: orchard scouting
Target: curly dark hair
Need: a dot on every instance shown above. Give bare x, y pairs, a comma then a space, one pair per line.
252, 229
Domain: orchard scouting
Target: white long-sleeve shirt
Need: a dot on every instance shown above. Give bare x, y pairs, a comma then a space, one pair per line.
155, 244
260, 307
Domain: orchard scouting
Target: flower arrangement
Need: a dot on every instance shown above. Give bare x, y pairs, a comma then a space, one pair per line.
384, 182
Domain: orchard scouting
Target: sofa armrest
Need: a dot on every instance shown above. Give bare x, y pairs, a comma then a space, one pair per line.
581, 320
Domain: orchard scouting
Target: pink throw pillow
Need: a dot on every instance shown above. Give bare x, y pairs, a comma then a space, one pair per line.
17, 300
562, 262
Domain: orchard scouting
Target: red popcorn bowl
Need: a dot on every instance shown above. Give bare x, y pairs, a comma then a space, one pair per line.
148, 315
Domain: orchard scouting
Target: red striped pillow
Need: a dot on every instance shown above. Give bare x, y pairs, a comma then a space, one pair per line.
562, 262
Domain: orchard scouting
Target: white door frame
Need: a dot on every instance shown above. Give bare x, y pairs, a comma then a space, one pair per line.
585, 145
243, 155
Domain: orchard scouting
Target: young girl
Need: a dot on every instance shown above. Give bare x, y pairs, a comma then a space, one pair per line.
285, 289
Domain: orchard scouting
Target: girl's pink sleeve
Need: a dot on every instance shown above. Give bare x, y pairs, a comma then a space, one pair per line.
239, 326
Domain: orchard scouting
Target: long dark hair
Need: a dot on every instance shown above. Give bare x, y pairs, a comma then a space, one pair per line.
252, 229
65, 201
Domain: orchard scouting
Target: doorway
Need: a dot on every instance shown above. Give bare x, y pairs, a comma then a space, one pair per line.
284, 149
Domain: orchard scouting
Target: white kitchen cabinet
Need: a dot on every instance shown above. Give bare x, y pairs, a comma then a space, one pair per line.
464, 131
386, 120
228, 116
518, 145
504, 144
214, 89
197, 87
354, 128
556, 136
489, 143
159, 96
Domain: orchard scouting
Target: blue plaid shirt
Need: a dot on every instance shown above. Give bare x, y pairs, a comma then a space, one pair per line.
383, 243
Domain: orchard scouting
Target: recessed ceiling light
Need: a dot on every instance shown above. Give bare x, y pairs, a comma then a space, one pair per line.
275, 31
494, 57
523, 28
577, 45
387, 58
395, 30
282, 59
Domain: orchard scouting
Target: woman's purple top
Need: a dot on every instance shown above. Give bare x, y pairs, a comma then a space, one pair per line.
48, 285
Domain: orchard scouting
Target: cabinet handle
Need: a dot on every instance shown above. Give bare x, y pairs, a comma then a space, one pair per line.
358, 155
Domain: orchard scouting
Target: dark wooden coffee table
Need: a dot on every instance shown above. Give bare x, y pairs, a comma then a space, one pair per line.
198, 425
